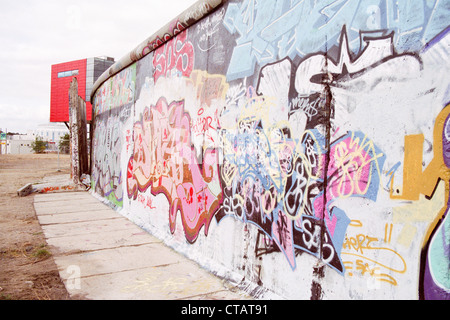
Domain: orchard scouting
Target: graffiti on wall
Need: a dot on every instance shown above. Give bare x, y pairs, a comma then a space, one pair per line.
279, 134
117, 91
112, 109
275, 179
176, 55
435, 258
108, 141
436, 254
164, 160
175, 28
269, 30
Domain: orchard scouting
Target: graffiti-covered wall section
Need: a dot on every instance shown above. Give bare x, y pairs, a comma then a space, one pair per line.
302, 147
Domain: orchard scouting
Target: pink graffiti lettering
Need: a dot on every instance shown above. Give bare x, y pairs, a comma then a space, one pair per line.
177, 55
354, 162
164, 159
146, 201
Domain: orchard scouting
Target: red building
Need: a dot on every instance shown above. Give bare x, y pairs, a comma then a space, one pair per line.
87, 72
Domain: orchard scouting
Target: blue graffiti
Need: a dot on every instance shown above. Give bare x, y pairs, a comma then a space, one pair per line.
269, 30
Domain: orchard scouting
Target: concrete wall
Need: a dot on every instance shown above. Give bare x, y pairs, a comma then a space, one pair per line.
301, 148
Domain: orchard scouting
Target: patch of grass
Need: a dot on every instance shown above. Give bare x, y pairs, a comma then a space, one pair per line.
28, 251
41, 252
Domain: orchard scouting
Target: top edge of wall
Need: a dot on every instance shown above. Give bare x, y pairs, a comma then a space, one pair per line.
184, 20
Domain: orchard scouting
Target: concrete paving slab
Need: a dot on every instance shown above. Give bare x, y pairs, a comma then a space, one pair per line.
100, 241
76, 216
85, 226
127, 258
62, 196
182, 280
102, 255
68, 206
63, 202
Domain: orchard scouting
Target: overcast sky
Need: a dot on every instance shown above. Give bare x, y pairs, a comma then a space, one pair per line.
35, 34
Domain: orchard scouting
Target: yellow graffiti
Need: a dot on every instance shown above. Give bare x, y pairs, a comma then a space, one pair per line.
417, 182
365, 269
422, 211
209, 86
360, 245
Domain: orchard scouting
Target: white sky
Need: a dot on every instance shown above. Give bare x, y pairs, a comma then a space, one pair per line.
35, 34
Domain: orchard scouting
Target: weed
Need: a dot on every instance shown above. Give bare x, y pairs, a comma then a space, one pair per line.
41, 252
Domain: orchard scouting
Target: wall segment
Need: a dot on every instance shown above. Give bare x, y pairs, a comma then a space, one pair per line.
299, 147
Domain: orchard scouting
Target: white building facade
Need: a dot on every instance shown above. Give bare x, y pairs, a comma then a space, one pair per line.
52, 133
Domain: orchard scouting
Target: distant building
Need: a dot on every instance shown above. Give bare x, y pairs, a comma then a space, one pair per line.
87, 71
18, 143
52, 133
19, 146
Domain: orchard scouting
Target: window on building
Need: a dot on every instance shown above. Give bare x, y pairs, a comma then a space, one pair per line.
70, 73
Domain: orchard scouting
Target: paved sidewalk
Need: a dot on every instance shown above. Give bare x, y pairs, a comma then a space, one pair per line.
102, 255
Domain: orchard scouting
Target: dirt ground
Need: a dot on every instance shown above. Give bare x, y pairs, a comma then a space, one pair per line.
27, 268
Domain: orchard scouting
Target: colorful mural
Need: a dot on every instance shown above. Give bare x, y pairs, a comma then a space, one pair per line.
303, 145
